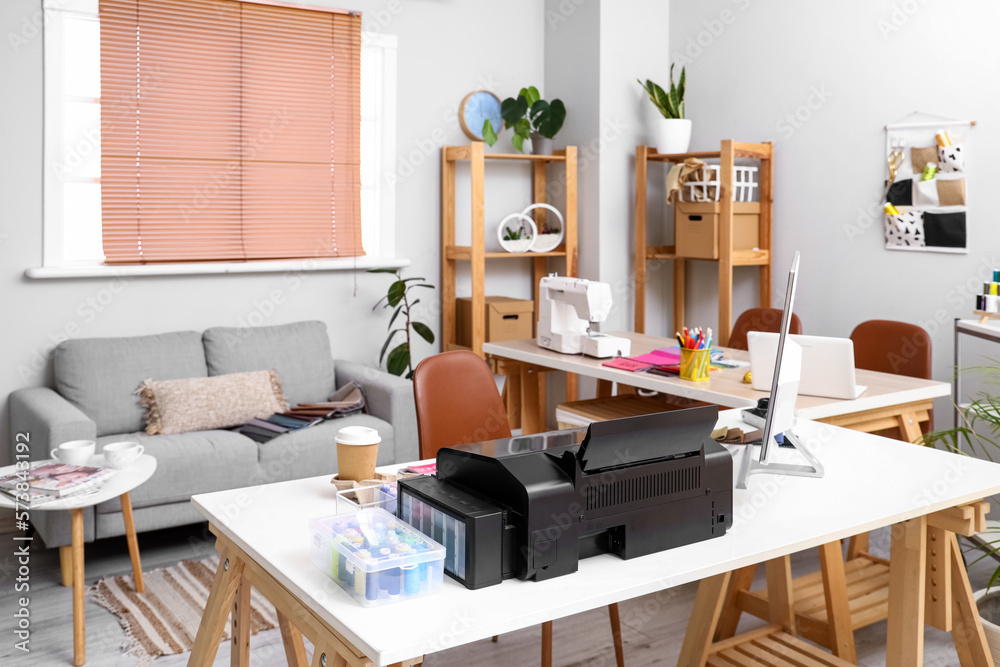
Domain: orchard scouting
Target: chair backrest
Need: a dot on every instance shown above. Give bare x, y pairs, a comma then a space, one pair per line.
892, 347
767, 320
457, 402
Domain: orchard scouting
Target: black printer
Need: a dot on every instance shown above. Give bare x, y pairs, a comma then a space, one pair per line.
530, 507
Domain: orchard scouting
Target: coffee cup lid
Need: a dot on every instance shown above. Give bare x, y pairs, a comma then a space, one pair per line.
358, 435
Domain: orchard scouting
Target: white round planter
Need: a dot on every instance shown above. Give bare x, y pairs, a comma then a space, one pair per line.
673, 135
517, 221
551, 241
992, 630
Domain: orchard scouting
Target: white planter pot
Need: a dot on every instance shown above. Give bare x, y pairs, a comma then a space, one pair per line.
991, 629
673, 135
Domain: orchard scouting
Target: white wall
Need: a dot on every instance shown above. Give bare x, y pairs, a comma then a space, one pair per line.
860, 64
446, 49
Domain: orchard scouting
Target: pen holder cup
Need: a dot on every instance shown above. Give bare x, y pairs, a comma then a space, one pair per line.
694, 364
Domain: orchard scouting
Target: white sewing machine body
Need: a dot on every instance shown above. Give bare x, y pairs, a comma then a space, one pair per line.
568, 309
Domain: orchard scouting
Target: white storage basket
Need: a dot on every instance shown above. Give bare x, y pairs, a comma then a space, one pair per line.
744, 184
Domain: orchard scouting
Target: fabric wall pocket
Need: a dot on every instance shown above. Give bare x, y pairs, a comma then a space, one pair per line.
925, 193
945, 230
905, 230
919, 157
901, 192
951, 158
950, 191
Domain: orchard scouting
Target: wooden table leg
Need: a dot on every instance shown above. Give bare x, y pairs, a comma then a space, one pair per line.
779, 593
967, 626
532, 410
239, 656
616, 634
905, 643
729, 620
295, 648
547, 644
857, 545
909, 426
220, 601
838, 608
66, 564
79, 628
704, 618
133, 543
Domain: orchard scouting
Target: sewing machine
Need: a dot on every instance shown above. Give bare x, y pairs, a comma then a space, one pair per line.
570, 310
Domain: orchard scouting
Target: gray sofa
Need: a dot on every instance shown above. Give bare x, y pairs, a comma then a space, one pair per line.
93, 398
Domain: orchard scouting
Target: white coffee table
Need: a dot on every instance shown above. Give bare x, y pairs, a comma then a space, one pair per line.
71, 557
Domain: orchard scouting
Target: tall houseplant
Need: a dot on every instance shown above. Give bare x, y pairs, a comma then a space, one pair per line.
399, 360
673, 129
530, 117
978, 429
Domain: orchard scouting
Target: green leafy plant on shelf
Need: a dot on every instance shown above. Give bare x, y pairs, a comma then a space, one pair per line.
513, 234
671, 104
399, 360
977, 432
525, 114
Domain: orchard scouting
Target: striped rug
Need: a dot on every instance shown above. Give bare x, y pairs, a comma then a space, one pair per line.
164, 620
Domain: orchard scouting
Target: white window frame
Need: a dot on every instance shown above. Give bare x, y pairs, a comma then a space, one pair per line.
378, 233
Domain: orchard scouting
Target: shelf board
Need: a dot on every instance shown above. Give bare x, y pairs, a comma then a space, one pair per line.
463, 153
740, 257
464, 252
703, 155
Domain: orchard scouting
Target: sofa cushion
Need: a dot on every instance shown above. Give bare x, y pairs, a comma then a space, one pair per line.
202, 404
312, 451
188, 464
100, 375
300, 352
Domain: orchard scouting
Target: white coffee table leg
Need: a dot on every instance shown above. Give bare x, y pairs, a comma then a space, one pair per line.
79, 631
133, 543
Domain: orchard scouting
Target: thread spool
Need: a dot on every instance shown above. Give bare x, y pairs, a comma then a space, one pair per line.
359, 576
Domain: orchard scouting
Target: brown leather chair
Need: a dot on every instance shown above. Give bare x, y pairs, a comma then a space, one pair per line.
760, 319
457, 403
894, 347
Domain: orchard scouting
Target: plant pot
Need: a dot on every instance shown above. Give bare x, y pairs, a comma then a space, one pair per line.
542, 145
673, 135
520, 223
988, 605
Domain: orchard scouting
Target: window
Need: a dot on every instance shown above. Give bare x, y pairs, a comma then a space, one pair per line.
73, 155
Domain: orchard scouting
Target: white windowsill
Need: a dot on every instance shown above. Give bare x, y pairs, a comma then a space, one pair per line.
210, 268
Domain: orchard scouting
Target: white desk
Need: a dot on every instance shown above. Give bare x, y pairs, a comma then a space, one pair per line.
890, 400
263, 534
71, 557
989, 330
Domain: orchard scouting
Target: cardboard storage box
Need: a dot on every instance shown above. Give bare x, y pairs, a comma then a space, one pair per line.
506, 319
696, 228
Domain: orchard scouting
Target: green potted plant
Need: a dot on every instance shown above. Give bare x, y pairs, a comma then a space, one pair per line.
978, 431
673, 130
398, 296
532, 118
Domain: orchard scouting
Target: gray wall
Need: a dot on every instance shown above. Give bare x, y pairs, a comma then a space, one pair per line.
860, 64
446, 49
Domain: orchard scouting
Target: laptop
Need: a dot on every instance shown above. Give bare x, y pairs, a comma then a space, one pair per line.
827, 364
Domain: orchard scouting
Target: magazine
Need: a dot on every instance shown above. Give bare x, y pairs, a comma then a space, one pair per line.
57, 479
33, 499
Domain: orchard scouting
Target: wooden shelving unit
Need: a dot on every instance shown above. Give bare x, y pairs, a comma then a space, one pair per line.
728, 257
476, 254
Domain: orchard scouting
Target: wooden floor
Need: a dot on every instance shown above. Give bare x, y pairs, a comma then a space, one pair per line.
653, 626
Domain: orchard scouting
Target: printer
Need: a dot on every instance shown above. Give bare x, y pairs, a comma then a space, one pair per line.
530, 507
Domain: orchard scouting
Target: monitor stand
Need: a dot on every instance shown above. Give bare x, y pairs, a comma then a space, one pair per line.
750, 466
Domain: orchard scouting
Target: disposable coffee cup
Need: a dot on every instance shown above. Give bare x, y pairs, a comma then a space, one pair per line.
357, 451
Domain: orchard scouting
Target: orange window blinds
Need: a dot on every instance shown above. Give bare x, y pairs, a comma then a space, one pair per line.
230, 130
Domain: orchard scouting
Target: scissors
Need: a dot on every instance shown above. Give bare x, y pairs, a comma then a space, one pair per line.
895, 159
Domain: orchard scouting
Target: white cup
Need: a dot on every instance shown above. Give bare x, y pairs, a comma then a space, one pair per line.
74, 452
120, 455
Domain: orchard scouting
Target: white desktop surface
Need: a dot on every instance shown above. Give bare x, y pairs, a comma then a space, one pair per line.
724, 386
870, 482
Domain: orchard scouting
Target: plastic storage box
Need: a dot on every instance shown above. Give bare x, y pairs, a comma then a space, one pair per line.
377, 558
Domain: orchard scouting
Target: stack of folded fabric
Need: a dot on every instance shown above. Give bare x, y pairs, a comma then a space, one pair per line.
347, 400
